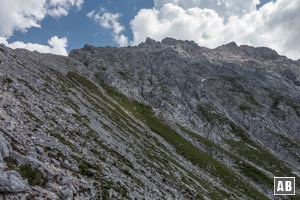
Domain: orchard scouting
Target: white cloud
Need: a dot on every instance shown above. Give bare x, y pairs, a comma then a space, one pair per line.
275, 25
224, 8
20, 15
55, 45
110, 21
200, 25
57, 8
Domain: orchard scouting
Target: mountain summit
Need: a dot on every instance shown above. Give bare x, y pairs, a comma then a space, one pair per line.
161, 120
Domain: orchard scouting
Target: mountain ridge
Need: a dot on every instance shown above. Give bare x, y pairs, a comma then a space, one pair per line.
159, 120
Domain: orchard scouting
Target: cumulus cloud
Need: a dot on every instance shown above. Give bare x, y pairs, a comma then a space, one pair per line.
225, 8
57, 8
275, 25
20, 15
55, 45
201, 25
110, 21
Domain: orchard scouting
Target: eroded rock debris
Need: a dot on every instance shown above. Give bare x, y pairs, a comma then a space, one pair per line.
162, 120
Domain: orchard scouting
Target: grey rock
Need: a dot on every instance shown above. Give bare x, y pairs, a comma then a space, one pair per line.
66, 193
69, 166
5, 148
39, 150
11, 182
161, 120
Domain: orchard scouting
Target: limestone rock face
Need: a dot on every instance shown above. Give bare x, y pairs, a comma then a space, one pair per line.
4, 150
161, 120
11, 182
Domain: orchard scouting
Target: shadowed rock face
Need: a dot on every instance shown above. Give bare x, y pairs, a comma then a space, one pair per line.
162, 120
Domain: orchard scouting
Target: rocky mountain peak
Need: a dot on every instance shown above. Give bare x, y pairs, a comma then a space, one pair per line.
260, 52
150, 41
162, 120
229, 46
169, 42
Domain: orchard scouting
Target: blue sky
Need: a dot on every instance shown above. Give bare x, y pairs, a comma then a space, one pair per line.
58, 26
86, 31
81, 30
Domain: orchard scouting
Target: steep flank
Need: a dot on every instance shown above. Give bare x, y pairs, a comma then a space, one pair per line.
162, 120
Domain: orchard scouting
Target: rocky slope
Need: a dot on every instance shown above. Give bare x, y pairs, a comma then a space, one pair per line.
162, 120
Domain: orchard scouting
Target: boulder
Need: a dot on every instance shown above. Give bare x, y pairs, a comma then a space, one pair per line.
11, 182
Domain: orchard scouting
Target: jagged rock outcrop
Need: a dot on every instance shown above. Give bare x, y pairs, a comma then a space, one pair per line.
161, 120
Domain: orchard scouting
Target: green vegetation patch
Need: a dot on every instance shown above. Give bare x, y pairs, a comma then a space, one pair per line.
260, 157
64, 141
34, 176
244, 107
16, 148
182, 146
10, 163
245, 168
7, 80
33, 117
26, 83
280, 99
256, 175
246, 148
218, 119
115, 115
288, 143
85, 166
71, 103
